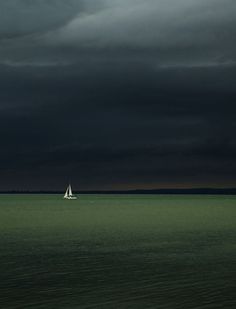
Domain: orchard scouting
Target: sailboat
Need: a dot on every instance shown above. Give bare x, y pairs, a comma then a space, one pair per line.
68, 194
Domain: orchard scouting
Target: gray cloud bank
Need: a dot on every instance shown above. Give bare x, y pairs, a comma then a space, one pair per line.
184, 31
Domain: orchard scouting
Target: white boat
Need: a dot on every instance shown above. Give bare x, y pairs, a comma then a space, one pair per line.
69, 195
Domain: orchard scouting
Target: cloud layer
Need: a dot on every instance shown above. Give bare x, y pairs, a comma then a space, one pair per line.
117, 93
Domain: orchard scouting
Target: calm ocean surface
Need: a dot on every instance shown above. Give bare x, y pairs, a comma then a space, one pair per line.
117, 252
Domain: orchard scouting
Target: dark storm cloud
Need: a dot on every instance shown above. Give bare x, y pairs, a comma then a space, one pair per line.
117, 93
117, 128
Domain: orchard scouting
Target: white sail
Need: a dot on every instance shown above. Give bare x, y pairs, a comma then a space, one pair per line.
66, 193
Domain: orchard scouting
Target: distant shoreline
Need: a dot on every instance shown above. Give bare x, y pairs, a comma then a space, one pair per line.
197, 191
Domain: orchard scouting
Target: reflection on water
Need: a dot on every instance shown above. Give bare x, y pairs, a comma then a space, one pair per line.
102, 265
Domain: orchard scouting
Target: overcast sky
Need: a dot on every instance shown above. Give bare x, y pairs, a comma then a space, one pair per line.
117, 94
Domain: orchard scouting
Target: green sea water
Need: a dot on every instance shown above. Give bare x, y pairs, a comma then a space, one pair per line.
117, 251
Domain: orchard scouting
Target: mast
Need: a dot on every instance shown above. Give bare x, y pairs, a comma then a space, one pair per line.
70, 190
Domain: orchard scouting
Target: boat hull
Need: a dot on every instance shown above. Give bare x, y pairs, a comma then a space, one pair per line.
71, 198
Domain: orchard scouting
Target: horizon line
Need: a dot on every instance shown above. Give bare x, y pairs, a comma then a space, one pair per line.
199, 190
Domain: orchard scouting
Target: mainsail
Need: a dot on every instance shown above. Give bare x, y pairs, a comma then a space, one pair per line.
70, 190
